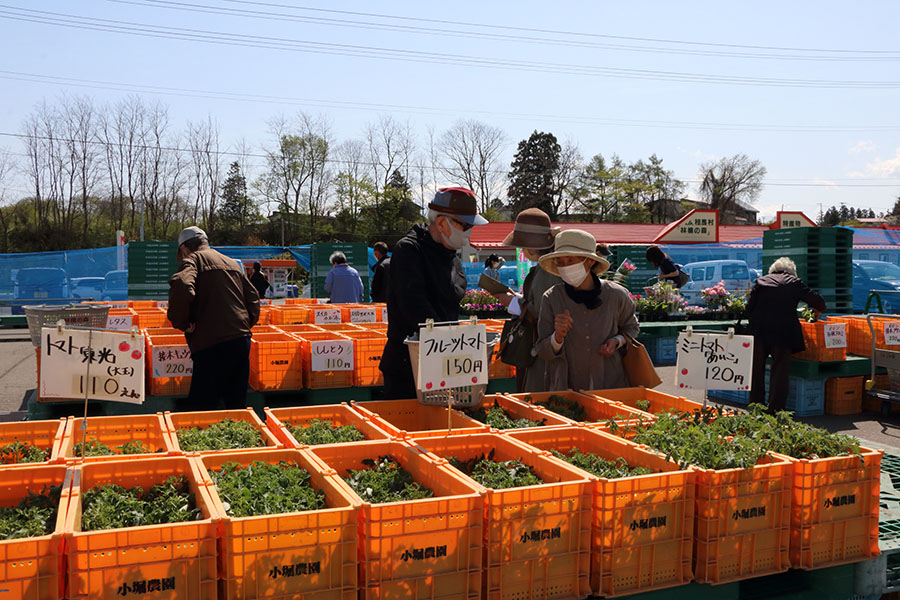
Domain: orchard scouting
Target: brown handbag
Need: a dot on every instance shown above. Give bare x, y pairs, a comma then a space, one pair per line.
638, 367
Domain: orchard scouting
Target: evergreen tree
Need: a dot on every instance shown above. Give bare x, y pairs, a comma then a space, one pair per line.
238, 211
531, 175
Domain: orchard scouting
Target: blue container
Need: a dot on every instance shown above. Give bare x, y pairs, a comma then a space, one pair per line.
806, 397
663, 353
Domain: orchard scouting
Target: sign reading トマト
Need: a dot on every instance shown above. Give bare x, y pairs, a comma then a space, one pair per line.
452, 356
714, 361
331, 355
108, 365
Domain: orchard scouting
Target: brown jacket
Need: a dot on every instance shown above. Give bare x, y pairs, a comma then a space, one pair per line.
211, 291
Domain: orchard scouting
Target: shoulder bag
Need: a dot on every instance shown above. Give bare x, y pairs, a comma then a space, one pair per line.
638, 367
517, 343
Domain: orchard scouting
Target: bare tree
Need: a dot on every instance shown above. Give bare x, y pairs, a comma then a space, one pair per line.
353, 186
391, 144
730, 180
203, 139
566, 177
471, 153
7, 166
123, 132
80, 120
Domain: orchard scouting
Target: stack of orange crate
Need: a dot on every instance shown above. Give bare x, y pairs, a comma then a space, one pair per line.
143, 304
298, 328
202, 419
843, 395
498, 368
814, 336
46, 435
322, 379
150, 430
160, 383
368, 347
150, 318
287, 314
121, 319
275, 362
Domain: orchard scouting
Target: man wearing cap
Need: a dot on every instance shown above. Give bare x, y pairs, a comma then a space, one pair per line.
213, 302
427, 281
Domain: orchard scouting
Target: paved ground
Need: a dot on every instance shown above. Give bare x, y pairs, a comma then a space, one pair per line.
18, 374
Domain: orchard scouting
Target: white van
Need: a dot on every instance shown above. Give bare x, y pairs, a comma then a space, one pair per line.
708, 273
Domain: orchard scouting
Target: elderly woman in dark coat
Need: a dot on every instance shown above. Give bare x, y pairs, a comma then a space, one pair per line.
772, 311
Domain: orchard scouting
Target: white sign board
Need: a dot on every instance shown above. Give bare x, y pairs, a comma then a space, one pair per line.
452, 356
118, 322
116, 363
835, 335
363, 315
328, 315
714, 361
114, 305
892, 333
171, 361
163, 304
331, 355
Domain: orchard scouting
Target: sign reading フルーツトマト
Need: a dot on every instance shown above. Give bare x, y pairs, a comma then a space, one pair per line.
452, 356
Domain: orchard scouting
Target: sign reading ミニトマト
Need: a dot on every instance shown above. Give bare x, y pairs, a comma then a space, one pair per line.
331, 355
714, 361
452, 356
115, 362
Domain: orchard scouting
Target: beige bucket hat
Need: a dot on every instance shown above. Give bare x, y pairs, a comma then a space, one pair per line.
574, 242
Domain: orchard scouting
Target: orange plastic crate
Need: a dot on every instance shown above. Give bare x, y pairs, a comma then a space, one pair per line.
429, 548
157, 331
304, 301
347, 312
176, 385
203, 419
257, 329
113, 563
843, 395
814, 337
275, 362
499, 369
659, 402
288, 314
277, 420
339, 327
834, 513
143, 304
409, 419
150, 318
264, 315
368, 346
47, 435
33, 568
374, 326
319, 314
299, 328
115, 431
537, 539
859, 336
596, 410
642, 528
742, 521
521, 410
127, 320
310, 554
316, 380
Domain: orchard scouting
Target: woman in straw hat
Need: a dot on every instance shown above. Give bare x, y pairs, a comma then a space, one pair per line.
582, 320
533, 233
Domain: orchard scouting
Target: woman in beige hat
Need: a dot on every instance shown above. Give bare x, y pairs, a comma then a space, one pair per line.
582, 320
533, 233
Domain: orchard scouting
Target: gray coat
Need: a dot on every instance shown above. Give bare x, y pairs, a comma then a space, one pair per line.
579, 364
536, 284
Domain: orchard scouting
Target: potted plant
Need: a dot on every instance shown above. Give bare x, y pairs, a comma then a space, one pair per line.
482, 304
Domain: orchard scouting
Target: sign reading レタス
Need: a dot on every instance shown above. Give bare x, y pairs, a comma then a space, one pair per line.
171, 361
115, 362
331, 355
714, 361
452, 356
835, 335
119, 322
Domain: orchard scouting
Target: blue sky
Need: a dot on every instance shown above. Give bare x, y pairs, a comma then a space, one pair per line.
595, 73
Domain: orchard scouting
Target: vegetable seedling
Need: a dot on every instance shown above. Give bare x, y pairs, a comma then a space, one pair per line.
385, 481
262, 488
224, 435
498, 475
319, 431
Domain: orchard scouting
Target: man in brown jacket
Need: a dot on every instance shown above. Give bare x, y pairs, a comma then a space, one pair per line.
215, 305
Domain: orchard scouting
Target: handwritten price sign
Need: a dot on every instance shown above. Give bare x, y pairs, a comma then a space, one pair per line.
171, 361
714, 361
363, 315
116, 365
119, 322
328, 315
452, 356
836, 335
892, 333
332, 355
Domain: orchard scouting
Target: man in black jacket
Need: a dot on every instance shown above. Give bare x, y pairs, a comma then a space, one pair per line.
380, 272
426, 281
772, 310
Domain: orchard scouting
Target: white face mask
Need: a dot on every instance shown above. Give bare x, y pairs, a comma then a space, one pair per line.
574, 275
458, 237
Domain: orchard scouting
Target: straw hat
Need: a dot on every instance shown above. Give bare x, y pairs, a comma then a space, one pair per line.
533, 231
574, 242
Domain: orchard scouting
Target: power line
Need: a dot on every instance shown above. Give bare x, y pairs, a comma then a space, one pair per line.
393, 54
492, 35
339, 104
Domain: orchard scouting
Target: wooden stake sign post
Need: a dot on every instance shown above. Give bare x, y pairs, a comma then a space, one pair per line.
714, 360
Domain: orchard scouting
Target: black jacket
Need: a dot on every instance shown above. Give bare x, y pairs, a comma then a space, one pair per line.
772, 310
260, 282
426, 282
380, 280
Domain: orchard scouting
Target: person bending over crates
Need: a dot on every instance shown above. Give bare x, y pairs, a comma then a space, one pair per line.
215, 305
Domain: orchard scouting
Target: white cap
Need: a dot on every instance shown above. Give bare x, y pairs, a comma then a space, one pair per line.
189, 233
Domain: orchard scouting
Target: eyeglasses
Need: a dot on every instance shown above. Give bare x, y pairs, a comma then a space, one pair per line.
463, 225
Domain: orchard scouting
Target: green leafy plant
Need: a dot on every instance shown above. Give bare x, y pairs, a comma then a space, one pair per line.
497, 417
318, 432
643, 405
22, 452
561, 405
498, 475
219, 436
112, 506
601, 467
385, 481
94, 447
33, 516
809, 315
261, 488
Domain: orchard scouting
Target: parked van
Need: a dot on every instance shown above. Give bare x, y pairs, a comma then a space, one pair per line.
708, 273
875, 275
41, 283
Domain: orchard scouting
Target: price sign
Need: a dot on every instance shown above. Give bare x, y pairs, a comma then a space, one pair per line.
714, 361
452, 356
328, 315
332, 355
835, 335
118, 322
892, 333
363, 315
115, 362
171, 361
114, 305
163, 304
